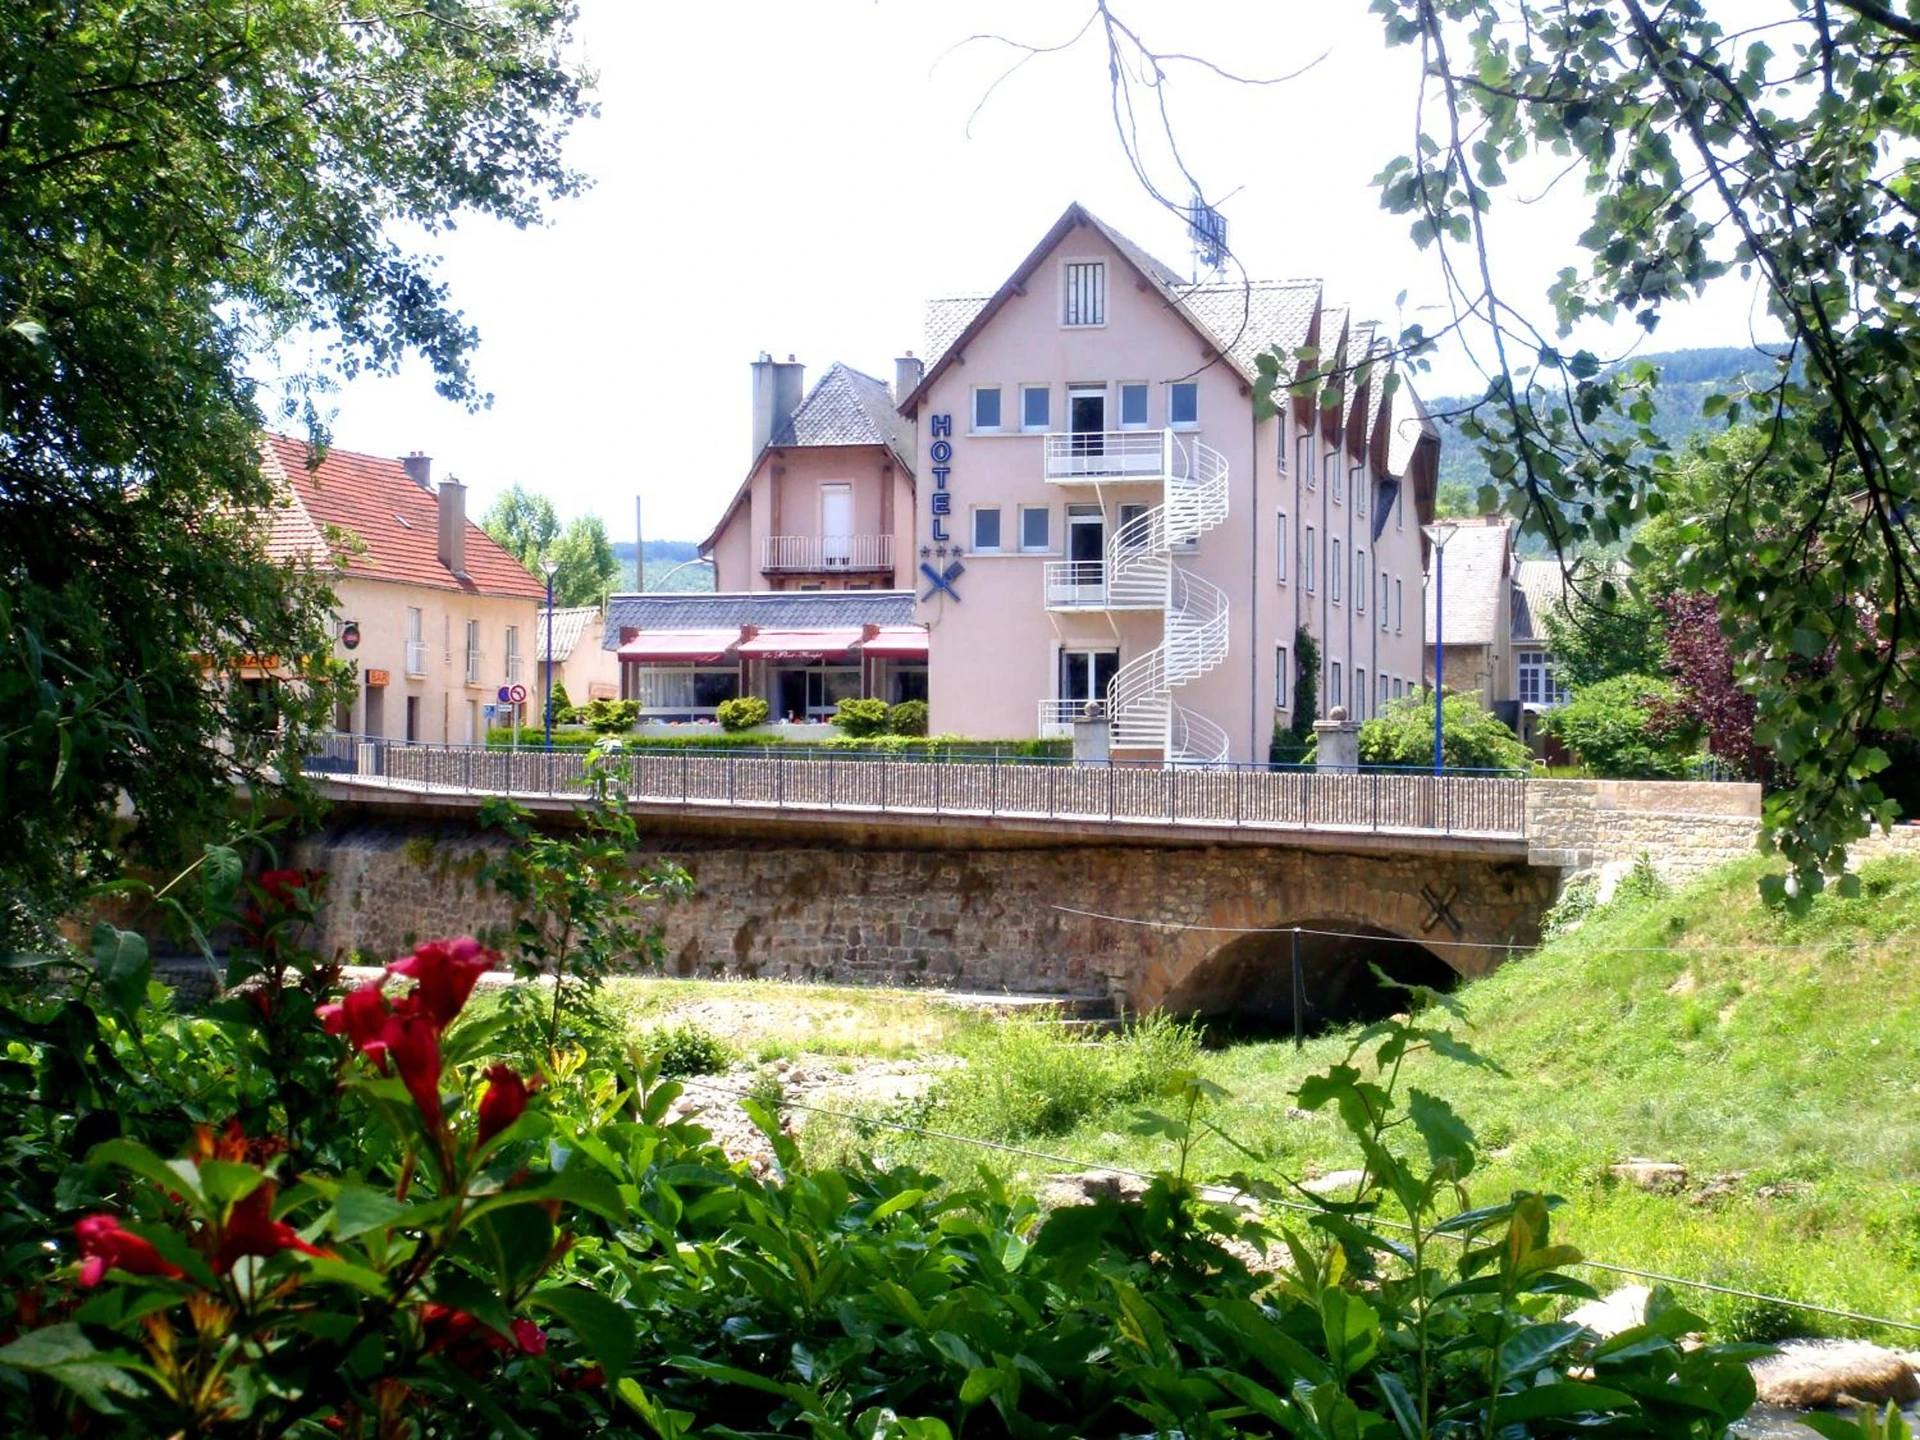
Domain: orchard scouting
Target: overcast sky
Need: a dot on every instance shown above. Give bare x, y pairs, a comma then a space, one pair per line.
800, 178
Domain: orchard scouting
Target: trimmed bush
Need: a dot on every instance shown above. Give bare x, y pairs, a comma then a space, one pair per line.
859, 719
909, 717
611, 717
1627, 728
562, 702
1471, 737
742, 713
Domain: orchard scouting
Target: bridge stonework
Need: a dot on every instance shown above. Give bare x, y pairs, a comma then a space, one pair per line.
994, 904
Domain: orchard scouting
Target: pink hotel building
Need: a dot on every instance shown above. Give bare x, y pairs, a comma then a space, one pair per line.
1088, 510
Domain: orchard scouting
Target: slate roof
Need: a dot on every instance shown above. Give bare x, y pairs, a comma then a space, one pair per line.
946, 318
569, 624
1540, 586
393, 523
1478, 574
769, 609
848, 408
1249, 320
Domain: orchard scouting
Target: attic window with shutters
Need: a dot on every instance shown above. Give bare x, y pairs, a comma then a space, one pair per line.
1086, 293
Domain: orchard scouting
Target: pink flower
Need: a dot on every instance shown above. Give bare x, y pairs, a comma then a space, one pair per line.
443, 974
108, 1246
361, 1015
412, 1042
252, 1230
531, 1339
504, 1102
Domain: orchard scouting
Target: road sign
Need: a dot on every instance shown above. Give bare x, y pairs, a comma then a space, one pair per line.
504, 695
517, 694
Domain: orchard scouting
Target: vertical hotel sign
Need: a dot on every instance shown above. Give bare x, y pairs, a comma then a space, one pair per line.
940, 503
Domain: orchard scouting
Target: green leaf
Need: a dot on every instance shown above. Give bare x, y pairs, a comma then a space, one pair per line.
220, 871
604, 1327
64, 1354
121, 958
175, 1176
1562, 1398
979, 1384
1449, 1139
905, 1200
360, 1208
1405, 1413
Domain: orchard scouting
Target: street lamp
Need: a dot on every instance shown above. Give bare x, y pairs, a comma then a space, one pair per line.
549, 566
1439, 535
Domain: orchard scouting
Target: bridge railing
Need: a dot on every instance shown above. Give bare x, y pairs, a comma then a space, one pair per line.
1457, 803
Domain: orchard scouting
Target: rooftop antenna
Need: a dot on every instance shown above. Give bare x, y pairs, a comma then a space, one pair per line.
1208, 227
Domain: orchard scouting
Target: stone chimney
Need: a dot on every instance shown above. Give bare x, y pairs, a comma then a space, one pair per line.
778, 387
420, 469
453, 526
907, 373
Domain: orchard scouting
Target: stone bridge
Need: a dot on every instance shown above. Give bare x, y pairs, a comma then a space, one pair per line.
943, 874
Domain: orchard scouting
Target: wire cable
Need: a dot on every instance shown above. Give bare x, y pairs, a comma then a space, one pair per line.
1631, 1271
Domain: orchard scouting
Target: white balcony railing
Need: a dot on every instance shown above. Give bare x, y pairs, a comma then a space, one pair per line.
1076, 584
1057, 716
513, 669
827, 552
1110, 455
416, 657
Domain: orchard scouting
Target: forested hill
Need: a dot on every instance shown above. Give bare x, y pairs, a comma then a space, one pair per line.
1686, 379
662, 558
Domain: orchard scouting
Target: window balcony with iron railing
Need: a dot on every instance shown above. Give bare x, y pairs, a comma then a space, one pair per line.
416, 657
1085, 457
822, 553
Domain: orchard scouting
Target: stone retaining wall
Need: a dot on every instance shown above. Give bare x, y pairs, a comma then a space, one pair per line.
1583, 827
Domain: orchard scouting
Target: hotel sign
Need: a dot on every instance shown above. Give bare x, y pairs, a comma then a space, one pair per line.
940, 503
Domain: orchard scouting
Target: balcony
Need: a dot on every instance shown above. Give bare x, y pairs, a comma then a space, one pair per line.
1093, 456
820, 554
1096, 585
1057, 716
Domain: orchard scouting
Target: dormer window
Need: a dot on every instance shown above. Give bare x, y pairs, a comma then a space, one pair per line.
1086, 293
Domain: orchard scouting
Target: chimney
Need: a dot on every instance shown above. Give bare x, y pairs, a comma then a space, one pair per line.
906, 377
777, 392
420, 469
453, 526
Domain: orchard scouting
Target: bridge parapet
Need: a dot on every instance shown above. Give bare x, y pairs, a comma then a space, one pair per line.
1582, 827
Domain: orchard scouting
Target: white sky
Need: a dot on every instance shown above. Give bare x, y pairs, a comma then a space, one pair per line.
799, 178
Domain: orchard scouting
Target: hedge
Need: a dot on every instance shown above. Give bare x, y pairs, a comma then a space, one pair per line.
895, 746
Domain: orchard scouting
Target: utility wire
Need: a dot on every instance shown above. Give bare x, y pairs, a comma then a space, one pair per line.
1083, 1165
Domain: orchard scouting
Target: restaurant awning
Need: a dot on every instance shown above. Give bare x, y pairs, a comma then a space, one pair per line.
684, 645
800, 644
897, 642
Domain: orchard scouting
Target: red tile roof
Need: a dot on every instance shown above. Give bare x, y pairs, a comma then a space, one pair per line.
394, 523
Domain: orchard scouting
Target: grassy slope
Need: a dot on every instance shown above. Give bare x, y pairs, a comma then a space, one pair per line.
1797, 1066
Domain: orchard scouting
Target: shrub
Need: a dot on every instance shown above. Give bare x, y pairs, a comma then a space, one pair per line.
741, 713
688, 1049
611, 717
1627, 728
909, 717
1471, 737
860, 718
562, 702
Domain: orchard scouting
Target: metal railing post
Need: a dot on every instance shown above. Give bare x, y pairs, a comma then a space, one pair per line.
939, 785
729, 777
1053, 772
1239, 785
1109, 791
830, 789
1373, 783
779, 782
993, 786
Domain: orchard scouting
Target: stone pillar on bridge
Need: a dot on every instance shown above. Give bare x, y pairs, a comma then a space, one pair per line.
1090, 740
1337, 742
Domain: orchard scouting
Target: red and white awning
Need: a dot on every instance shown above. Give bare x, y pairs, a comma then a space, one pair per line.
800, 644
897, 642
683, 645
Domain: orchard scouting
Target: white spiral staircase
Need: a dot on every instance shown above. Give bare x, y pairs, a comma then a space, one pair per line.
1141, 710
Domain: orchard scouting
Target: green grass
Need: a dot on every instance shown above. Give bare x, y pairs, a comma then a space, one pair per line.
1664, 1027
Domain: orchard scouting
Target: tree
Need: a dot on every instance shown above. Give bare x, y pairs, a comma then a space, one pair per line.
588, 569
180, 187
1603, 630
1628, 727
1471, 737
523, 524
1775, 154
1709, 696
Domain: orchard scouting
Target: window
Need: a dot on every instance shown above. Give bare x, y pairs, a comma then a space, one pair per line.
1280, 674
1033, 527
1084, 676
1383, 599
1280, 547
1334, 572
986, 408
1331, 465
1036, 407
1358, 474
416, 644
1399, 606
1183, 403
1362, 582
1384, 694
1537, 683
1303, 446
1359, 693
986, 528
1335, 696
1086, 297
1308, 558
473, 652
513, 654
688, 689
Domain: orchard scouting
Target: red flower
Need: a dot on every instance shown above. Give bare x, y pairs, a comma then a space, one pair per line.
252, 1230
531, 1339
504, 1102
443, 973
108, 1247
412, 1042
362, 1015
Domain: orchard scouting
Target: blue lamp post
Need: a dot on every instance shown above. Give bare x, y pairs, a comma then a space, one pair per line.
1439, 535
547, 700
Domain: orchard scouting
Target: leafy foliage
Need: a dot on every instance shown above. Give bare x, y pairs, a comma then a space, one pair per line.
1295, 743
909, 717
859, 719
181, 186
527, 527
743, 712
1605, 630
1471, 737
1631, 727
688, 1049
1709, 697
